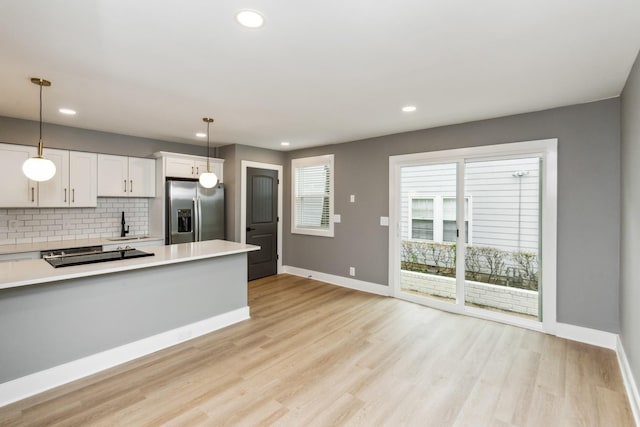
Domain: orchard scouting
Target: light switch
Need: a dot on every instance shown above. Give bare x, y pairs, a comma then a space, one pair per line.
352, 198
384, 221
336, 218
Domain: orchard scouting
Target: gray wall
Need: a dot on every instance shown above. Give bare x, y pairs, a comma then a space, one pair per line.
25, 132
234, 155
588, 202
630, 240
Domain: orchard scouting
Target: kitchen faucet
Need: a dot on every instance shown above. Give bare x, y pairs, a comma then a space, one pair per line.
123, 232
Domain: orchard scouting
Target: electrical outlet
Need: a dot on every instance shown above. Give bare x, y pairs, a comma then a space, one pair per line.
352, 271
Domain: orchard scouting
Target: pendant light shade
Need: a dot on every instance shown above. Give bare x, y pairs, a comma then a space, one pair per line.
38, 168
208, 179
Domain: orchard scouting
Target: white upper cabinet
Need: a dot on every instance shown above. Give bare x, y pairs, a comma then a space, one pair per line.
55, 192
142, 177
17, 189
178, 167
75, 181
120, 176
186, 166
83, 179
113, 174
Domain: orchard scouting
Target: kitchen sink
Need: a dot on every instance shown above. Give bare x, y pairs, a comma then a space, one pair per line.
123, 239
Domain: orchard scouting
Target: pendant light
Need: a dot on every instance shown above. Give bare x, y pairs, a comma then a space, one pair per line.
38, 168
208, 179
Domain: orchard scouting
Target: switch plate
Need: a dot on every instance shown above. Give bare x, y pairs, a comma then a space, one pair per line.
384, 221
352, 198
337, 218
352, 271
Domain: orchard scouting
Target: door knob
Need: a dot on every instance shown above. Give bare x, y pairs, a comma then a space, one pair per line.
250, 228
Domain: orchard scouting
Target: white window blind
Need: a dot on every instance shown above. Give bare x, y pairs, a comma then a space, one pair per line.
422, 219
312, 196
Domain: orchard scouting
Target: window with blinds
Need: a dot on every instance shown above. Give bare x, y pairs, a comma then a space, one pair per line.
433, 218
312, 196
422, 219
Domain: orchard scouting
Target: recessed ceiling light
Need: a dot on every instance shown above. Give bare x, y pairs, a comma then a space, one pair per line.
201, 135
409, 108
250, 18
67, 111
285, 143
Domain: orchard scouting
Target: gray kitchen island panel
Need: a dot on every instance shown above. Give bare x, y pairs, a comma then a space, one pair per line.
46, 325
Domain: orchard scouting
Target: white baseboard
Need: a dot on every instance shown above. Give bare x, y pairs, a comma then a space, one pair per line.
38, 382
345, 282
586, 335
629, 381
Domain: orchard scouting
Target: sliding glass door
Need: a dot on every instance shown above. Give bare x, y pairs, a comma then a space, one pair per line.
501, 266
428, 244
467, 230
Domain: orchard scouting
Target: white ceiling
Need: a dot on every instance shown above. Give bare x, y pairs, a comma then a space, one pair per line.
318, 72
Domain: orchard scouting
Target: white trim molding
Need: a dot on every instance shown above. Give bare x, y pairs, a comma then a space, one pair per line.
345, 282
586, 335
629, 381
35, 383
244, 164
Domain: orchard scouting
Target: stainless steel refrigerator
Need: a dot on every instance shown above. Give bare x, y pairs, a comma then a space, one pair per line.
194, 213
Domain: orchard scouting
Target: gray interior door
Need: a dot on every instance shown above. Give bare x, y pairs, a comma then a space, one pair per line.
262, 221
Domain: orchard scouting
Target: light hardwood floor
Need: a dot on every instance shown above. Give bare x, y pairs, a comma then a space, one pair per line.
320, 355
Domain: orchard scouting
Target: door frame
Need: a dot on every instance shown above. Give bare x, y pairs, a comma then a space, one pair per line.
548, 150
244, 164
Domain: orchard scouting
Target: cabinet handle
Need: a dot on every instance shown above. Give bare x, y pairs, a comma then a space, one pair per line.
33, 194
131, 186
73, 195
125, 185
192, 170
65, 195
197, 170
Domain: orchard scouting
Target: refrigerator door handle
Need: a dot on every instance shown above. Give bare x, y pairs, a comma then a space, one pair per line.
196, 221
200, 219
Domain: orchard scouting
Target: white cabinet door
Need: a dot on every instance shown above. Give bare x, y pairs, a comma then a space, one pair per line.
201, 167
177, 167
217, 169
83, 179
55, 192
142, 177
113, 176
17, 189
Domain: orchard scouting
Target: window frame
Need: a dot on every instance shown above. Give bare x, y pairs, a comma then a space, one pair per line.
324, 160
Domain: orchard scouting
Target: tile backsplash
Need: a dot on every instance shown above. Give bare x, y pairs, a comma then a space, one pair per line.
53, 224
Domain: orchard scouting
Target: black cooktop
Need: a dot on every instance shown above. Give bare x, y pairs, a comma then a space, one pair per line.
93, 257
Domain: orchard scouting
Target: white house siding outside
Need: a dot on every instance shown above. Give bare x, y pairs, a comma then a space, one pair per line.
503, 198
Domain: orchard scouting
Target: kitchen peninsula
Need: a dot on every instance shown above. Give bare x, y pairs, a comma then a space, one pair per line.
60, 324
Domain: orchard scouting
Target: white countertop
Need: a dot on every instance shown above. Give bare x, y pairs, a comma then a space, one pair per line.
64, 244
35, 271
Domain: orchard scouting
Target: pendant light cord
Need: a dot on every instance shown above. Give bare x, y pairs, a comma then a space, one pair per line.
208, 148
40, 146
40, 111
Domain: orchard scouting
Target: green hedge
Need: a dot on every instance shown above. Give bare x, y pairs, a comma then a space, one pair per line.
518, 269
